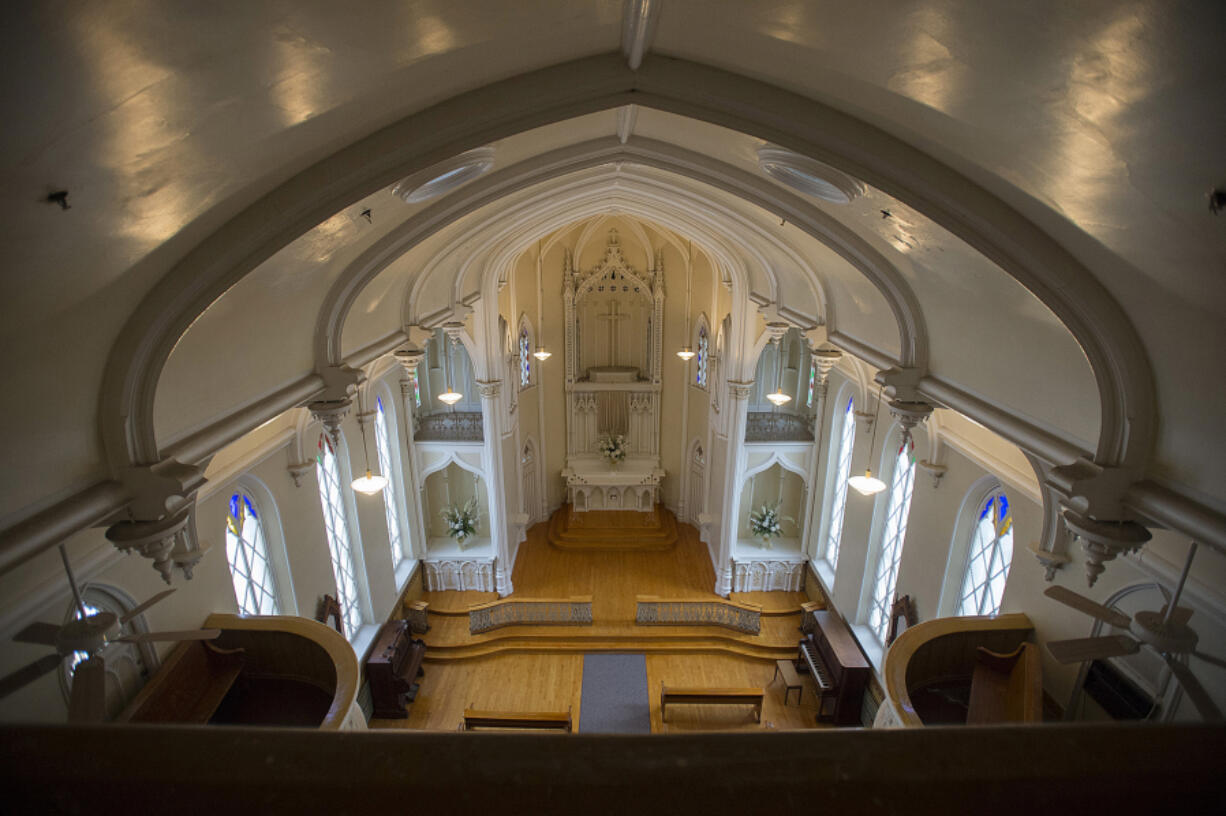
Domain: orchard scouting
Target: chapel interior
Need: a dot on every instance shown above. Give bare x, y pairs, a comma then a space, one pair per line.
429, 395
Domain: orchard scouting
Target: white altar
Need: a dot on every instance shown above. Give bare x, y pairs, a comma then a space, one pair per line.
614, 335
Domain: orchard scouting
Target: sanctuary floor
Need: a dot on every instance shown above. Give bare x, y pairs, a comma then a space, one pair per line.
540, 668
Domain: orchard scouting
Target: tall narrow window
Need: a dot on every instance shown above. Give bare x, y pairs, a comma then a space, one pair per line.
987, 564
416, 388
838, 501
701, 359
525, 358
885, 577
255, 588
812, 384
337, 528
391, 508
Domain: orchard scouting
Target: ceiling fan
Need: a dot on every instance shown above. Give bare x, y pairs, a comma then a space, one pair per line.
1165, 631
87, 633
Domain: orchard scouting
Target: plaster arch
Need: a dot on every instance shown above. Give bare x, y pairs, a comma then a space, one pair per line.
776, 459
949, 198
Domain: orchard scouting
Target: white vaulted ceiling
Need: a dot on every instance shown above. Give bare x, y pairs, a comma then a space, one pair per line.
1044, 167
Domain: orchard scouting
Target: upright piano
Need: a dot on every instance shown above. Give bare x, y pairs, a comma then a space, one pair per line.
831, 655
393, 666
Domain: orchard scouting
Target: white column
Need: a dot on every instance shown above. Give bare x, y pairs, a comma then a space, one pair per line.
738, 407
492, 456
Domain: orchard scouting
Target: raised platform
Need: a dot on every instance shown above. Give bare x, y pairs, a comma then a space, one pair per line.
597, 530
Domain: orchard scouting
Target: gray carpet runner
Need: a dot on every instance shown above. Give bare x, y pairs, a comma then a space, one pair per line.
614, 695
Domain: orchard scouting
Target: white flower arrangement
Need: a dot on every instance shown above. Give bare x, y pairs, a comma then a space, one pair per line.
613, 448
766, 523
461, 521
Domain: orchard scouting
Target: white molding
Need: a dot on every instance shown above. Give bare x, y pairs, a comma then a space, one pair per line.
1024, 481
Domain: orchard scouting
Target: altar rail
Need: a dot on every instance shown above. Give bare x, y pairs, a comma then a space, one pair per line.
460, 426
769, 426
575, 611
652, 611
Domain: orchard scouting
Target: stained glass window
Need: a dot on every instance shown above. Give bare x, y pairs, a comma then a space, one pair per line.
885, 578
700, 360
838, 502
416, 388
812, 384
336, 526
987, 564
255, 589
525, 358
390, 507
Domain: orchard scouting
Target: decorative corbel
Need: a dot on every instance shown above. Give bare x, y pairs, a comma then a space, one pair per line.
331, 413
1050, 561
1093, 511
739, 389
299, 469
934, 470
155, 540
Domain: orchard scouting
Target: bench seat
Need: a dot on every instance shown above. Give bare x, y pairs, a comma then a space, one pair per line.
711, 696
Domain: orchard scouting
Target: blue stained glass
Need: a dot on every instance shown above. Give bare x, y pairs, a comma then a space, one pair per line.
250, 508
234, 506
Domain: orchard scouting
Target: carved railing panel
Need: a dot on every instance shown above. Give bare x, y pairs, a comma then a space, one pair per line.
652, 611
460, 426
769, 426
532, 611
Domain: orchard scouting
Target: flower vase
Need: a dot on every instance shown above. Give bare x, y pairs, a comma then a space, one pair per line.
766, 542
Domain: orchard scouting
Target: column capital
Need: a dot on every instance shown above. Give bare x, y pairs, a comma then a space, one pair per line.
331, 413
489, 389
741, 389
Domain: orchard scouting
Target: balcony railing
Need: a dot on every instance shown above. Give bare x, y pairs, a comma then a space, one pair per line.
771, 426
460, 426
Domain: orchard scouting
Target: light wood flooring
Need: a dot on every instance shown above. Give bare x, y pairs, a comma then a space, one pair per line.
540, 668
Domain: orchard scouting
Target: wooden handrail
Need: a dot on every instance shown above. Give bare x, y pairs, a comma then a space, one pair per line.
900, 673
344, 663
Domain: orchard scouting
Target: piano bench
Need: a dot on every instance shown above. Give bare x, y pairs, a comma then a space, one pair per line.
791, 680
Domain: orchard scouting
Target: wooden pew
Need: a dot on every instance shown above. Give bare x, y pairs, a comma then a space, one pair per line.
534, 720
1006, 687
712, 696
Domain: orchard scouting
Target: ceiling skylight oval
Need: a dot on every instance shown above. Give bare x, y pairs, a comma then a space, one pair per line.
809, 176
446, 176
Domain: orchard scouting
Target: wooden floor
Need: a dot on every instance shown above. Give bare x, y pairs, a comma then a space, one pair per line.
540, 668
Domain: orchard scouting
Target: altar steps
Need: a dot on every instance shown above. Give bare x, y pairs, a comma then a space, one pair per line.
606, 530
572, 642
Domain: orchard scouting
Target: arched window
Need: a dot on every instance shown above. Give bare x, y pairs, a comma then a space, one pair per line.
391, 508
525, 356
255, 587
702, 356
885, 574
336, 525
989, 558
842, 470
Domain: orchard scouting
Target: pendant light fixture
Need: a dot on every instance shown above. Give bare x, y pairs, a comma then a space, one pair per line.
369, 484
450, 397
779, 398
541, 352
686, 352
868, 484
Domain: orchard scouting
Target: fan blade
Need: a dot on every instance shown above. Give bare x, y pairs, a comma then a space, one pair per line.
1180, 616
142, 607
28, 674
1195, 691
1083, 604
43, 634
185, 634
1217, 661
1079, 649
88, 701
